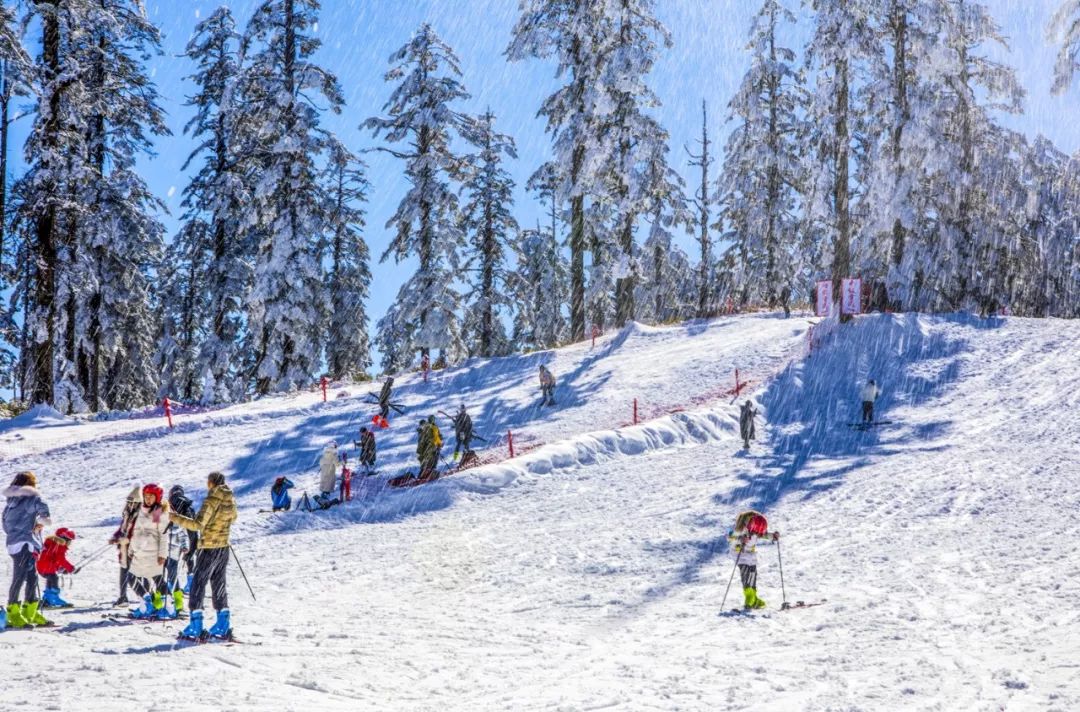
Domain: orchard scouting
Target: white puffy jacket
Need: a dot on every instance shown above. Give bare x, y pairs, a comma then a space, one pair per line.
149, 541
870, 392
328, 469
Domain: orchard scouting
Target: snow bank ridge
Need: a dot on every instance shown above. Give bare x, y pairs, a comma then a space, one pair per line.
676, 430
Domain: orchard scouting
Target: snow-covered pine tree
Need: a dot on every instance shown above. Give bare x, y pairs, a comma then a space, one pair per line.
216, 204
346, 186
184, 302
571, 32
759, 188
492, 229
284, 94
629, 133
1064, 30
120, 230
421, 115
966, 86
702, 202
841, 47
542, 291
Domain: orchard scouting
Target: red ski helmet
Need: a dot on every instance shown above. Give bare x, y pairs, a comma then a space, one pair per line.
757, 525
65, 533
154, 490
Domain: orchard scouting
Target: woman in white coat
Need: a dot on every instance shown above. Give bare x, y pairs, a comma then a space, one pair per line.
328, 469
148, 547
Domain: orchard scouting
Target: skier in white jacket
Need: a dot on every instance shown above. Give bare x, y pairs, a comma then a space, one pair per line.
870, 393
148, 548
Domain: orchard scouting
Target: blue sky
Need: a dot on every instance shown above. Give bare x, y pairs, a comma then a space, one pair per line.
706, 62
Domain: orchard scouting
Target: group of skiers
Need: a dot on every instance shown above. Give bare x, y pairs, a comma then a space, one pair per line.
155, 535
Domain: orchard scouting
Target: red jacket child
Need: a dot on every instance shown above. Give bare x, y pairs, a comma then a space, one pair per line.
53, 558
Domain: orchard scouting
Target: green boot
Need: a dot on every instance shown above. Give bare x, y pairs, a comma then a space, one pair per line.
758, 603
178, 600
15, 617
32, 616
158, 601
749, 596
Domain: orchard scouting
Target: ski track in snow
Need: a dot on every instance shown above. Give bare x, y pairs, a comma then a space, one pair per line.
588, 573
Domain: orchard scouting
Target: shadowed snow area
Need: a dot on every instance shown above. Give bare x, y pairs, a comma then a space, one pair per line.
588, 572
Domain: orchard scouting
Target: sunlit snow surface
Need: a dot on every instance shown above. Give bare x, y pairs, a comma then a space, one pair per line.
588, 573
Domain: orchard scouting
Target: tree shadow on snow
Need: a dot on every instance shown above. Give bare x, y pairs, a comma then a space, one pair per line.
809, 406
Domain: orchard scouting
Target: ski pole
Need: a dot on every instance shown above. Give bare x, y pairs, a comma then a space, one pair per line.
91, 557
780, 560
237, 559
732, 577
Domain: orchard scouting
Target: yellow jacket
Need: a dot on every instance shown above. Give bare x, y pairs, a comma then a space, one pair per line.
215, 517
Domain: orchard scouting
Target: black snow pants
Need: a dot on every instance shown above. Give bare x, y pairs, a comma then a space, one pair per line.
24, 574
210, 569
868, 411
748, 574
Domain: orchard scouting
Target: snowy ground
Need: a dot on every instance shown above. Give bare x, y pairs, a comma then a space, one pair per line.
588, 573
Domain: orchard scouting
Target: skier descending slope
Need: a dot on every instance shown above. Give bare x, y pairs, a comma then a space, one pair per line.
869, 394
749, 526
213, 522
547, 386
746, 423
463, 434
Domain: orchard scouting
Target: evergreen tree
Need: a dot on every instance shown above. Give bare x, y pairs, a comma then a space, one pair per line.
703, 203
572, 32
542, 290
493, 230
216, 203
184, 303
1064, 29
759, 189
287, 307
347, 348
427, 225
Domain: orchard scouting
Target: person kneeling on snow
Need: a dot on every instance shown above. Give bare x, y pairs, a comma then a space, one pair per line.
279, 494
51, 563
24, 515
749, 526
213, 522
148, 549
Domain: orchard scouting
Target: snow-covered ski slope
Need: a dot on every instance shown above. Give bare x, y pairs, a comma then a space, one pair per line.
588, 572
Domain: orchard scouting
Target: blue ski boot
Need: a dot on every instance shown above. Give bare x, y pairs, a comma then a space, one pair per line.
187, 586
3, 618
51, 599
194, 630
221, 627
148, 611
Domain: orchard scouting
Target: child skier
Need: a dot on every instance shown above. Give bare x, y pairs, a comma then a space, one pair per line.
367, 449
148, 548
181, 504
51, 563
24, 516
279, 494
345, 491
749, 526
178, 548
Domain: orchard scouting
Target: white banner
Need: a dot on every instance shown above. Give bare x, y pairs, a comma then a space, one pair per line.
824, 298
851, 296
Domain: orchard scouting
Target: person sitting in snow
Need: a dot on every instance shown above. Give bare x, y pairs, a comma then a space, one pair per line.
547, 386
746, 423
51, 562
870, 393
279, 494
367, 449
24, 516
148, 549
750, 527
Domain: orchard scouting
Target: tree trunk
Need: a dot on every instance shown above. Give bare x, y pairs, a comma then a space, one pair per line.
703, 203
842, 247
900, 101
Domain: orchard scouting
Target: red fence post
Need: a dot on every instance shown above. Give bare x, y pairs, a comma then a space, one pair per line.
323, 389
635, 411
168, 412
510, 442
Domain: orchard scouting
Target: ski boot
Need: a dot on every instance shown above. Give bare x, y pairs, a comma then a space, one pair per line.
758, 603
178, 601
15, 617
187, 586
51, 599
221, 628
3, 618
33, 616
147, 611
748, 598
194, 629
